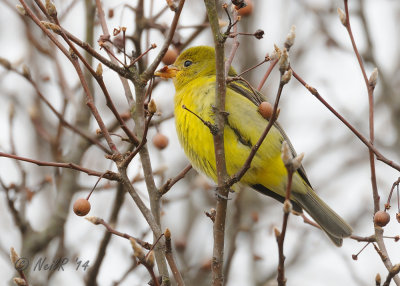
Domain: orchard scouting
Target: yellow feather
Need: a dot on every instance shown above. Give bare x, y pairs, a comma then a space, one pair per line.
195, 82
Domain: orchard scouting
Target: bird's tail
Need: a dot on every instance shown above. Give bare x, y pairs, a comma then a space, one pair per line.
333, 225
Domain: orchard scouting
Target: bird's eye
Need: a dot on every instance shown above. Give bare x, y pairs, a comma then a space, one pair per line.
187, 63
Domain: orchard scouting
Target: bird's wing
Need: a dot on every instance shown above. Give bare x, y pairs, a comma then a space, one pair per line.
243, 88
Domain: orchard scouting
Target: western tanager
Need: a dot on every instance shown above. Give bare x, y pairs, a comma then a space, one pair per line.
194, 77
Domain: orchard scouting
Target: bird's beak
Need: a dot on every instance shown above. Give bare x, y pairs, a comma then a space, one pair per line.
167, 72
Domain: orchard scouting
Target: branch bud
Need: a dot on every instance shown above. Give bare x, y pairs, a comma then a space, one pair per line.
277, 232
137, 250
26, 72
342, 16
378, 279
287, 206
93, 219
20, 9
13, 256
150, 259
290, 38
395, 269
99, 70
167, 233
152, 107
51, 8
171, 5
284, 61
296, 162
55, 28
276, 54
373, 78
286, 77
5, 63
286, 154
19, 281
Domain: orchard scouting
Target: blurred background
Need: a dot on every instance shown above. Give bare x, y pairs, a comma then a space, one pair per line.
36, 215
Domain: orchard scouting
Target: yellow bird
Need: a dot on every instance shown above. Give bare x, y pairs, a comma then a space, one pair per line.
194, 77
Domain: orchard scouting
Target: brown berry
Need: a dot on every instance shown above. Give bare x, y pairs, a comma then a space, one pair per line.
125, 116
180, 245
160, 141
381, 218
206, 265
111, 13
81, 207
254, 216
29, 194
246, 11
257, 257
265, 109
170, 56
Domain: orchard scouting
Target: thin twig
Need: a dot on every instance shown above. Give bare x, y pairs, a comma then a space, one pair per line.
370, 89
141, 144
172, 181
314, 92
109, 175
110, 229
281, 237
235, 44
171, 260
267, 73
61, 117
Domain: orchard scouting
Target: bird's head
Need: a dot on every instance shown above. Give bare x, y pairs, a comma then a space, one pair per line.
191, 64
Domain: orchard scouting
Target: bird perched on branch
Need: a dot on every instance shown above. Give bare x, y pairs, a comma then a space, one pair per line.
194, 77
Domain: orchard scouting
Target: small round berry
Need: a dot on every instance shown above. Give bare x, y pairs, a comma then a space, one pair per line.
381, 218
248, 10
81, 207
180, 244
265, 109
170, 56
254, 216
206, 265
110, 13
160, 141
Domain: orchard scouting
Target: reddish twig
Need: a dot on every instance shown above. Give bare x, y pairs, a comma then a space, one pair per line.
266, 59
60, 116
287, 206
170, 258
314, 92
109, 175
153, 46
267, 73
110, 229
370, 88
172, 181
141, 144
387, 205
75, 63
236, 43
